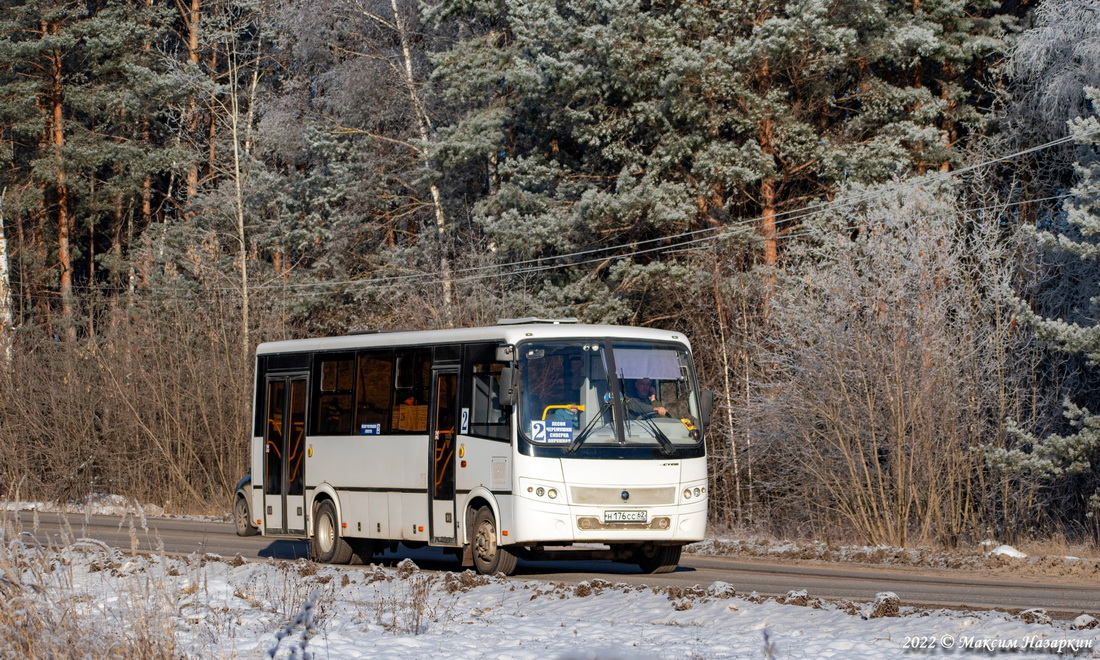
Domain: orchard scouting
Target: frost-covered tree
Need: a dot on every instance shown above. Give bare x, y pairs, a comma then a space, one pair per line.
1048, 67
1071, 462
892, 358
1054, 61
595, 125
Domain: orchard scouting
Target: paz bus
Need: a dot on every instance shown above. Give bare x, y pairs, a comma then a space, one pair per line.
533, 439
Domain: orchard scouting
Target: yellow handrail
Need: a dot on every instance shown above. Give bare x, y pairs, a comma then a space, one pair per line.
570, 406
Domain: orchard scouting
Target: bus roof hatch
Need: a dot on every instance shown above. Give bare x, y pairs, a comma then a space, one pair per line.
529, 320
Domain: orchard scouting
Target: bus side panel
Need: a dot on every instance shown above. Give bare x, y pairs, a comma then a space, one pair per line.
414, 516
378, 516
256, 495
368, 467
354, 506
483, 464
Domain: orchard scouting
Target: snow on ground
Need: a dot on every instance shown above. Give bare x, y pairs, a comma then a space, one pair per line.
989, 556
211, 607
96, 504
1007, 551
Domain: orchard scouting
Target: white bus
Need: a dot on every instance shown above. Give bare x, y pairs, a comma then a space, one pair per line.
529, 439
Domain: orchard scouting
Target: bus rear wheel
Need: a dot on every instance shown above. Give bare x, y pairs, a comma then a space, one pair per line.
658, 558
242, 518
328, 546
489, 556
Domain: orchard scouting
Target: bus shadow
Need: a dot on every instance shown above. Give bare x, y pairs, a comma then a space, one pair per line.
547, 569
285, 549
435, 559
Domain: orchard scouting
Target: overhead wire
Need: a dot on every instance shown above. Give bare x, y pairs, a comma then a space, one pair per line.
699, 244
669, 243
780, 218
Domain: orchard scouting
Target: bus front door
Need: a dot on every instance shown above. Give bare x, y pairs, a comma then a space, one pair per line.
442, 487
284, 462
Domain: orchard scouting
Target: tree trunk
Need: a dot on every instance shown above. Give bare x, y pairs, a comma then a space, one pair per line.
190, 17
6, 316
424, 128
242, 238
768, 224
727, 391
64, 220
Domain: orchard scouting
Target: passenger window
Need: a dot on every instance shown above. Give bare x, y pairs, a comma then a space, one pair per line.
488, 419
333, 413
372, 404
412, 389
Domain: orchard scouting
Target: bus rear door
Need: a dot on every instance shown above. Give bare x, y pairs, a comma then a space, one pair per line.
443, 434
284, 460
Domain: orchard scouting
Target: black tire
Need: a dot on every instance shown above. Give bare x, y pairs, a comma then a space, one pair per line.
328, 547
242, 518
658, 558
490, 557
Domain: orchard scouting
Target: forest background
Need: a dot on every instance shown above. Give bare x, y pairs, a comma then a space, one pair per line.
874, 219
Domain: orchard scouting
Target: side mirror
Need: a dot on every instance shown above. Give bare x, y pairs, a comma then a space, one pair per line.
509, 380
707, 401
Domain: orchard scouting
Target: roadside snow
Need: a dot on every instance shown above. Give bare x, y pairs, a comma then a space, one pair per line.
96, 504
989, 556
1007, 551
211, 607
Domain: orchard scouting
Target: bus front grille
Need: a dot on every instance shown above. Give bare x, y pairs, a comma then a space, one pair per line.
614, 496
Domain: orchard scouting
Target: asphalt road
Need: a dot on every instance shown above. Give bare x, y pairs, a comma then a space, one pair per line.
948, 588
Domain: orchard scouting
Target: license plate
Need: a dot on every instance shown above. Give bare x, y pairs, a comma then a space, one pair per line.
625, 516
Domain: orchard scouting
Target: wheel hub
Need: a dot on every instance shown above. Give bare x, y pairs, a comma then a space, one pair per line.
485, 543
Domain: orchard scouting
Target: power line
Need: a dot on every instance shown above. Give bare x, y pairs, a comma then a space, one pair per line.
699, 245
615, 252
780, 218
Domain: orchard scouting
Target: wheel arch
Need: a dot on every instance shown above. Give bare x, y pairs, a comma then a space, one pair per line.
322, 493
476, 499
244, 491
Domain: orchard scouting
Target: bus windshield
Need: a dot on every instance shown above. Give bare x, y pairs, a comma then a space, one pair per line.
608, 392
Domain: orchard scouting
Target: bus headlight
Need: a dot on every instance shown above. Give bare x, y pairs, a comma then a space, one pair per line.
687, 493
552, 493
539, 491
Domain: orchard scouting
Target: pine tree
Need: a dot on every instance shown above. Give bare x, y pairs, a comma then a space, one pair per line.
1074, 457
84, 121
595, 125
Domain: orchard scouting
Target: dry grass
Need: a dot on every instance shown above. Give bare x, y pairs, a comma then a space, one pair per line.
1059, 546
49, 609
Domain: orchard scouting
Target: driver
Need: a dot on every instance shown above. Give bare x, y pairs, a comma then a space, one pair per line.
646, 401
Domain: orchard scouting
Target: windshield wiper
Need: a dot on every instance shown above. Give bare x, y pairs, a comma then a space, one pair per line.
667, 448
587, 430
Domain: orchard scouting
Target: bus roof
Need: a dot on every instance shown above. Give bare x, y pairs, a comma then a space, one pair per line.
506, 334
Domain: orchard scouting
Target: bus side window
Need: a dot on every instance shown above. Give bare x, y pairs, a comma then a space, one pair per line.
488, 418
411, 390
333, 413
372, 393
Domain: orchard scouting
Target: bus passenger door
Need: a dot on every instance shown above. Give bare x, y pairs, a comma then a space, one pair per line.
284, 462
443, 433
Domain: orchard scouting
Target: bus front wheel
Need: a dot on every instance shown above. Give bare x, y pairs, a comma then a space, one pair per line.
489, 556
328, 546
658, 558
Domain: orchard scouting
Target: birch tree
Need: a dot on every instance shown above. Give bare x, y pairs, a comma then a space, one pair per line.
6, 316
